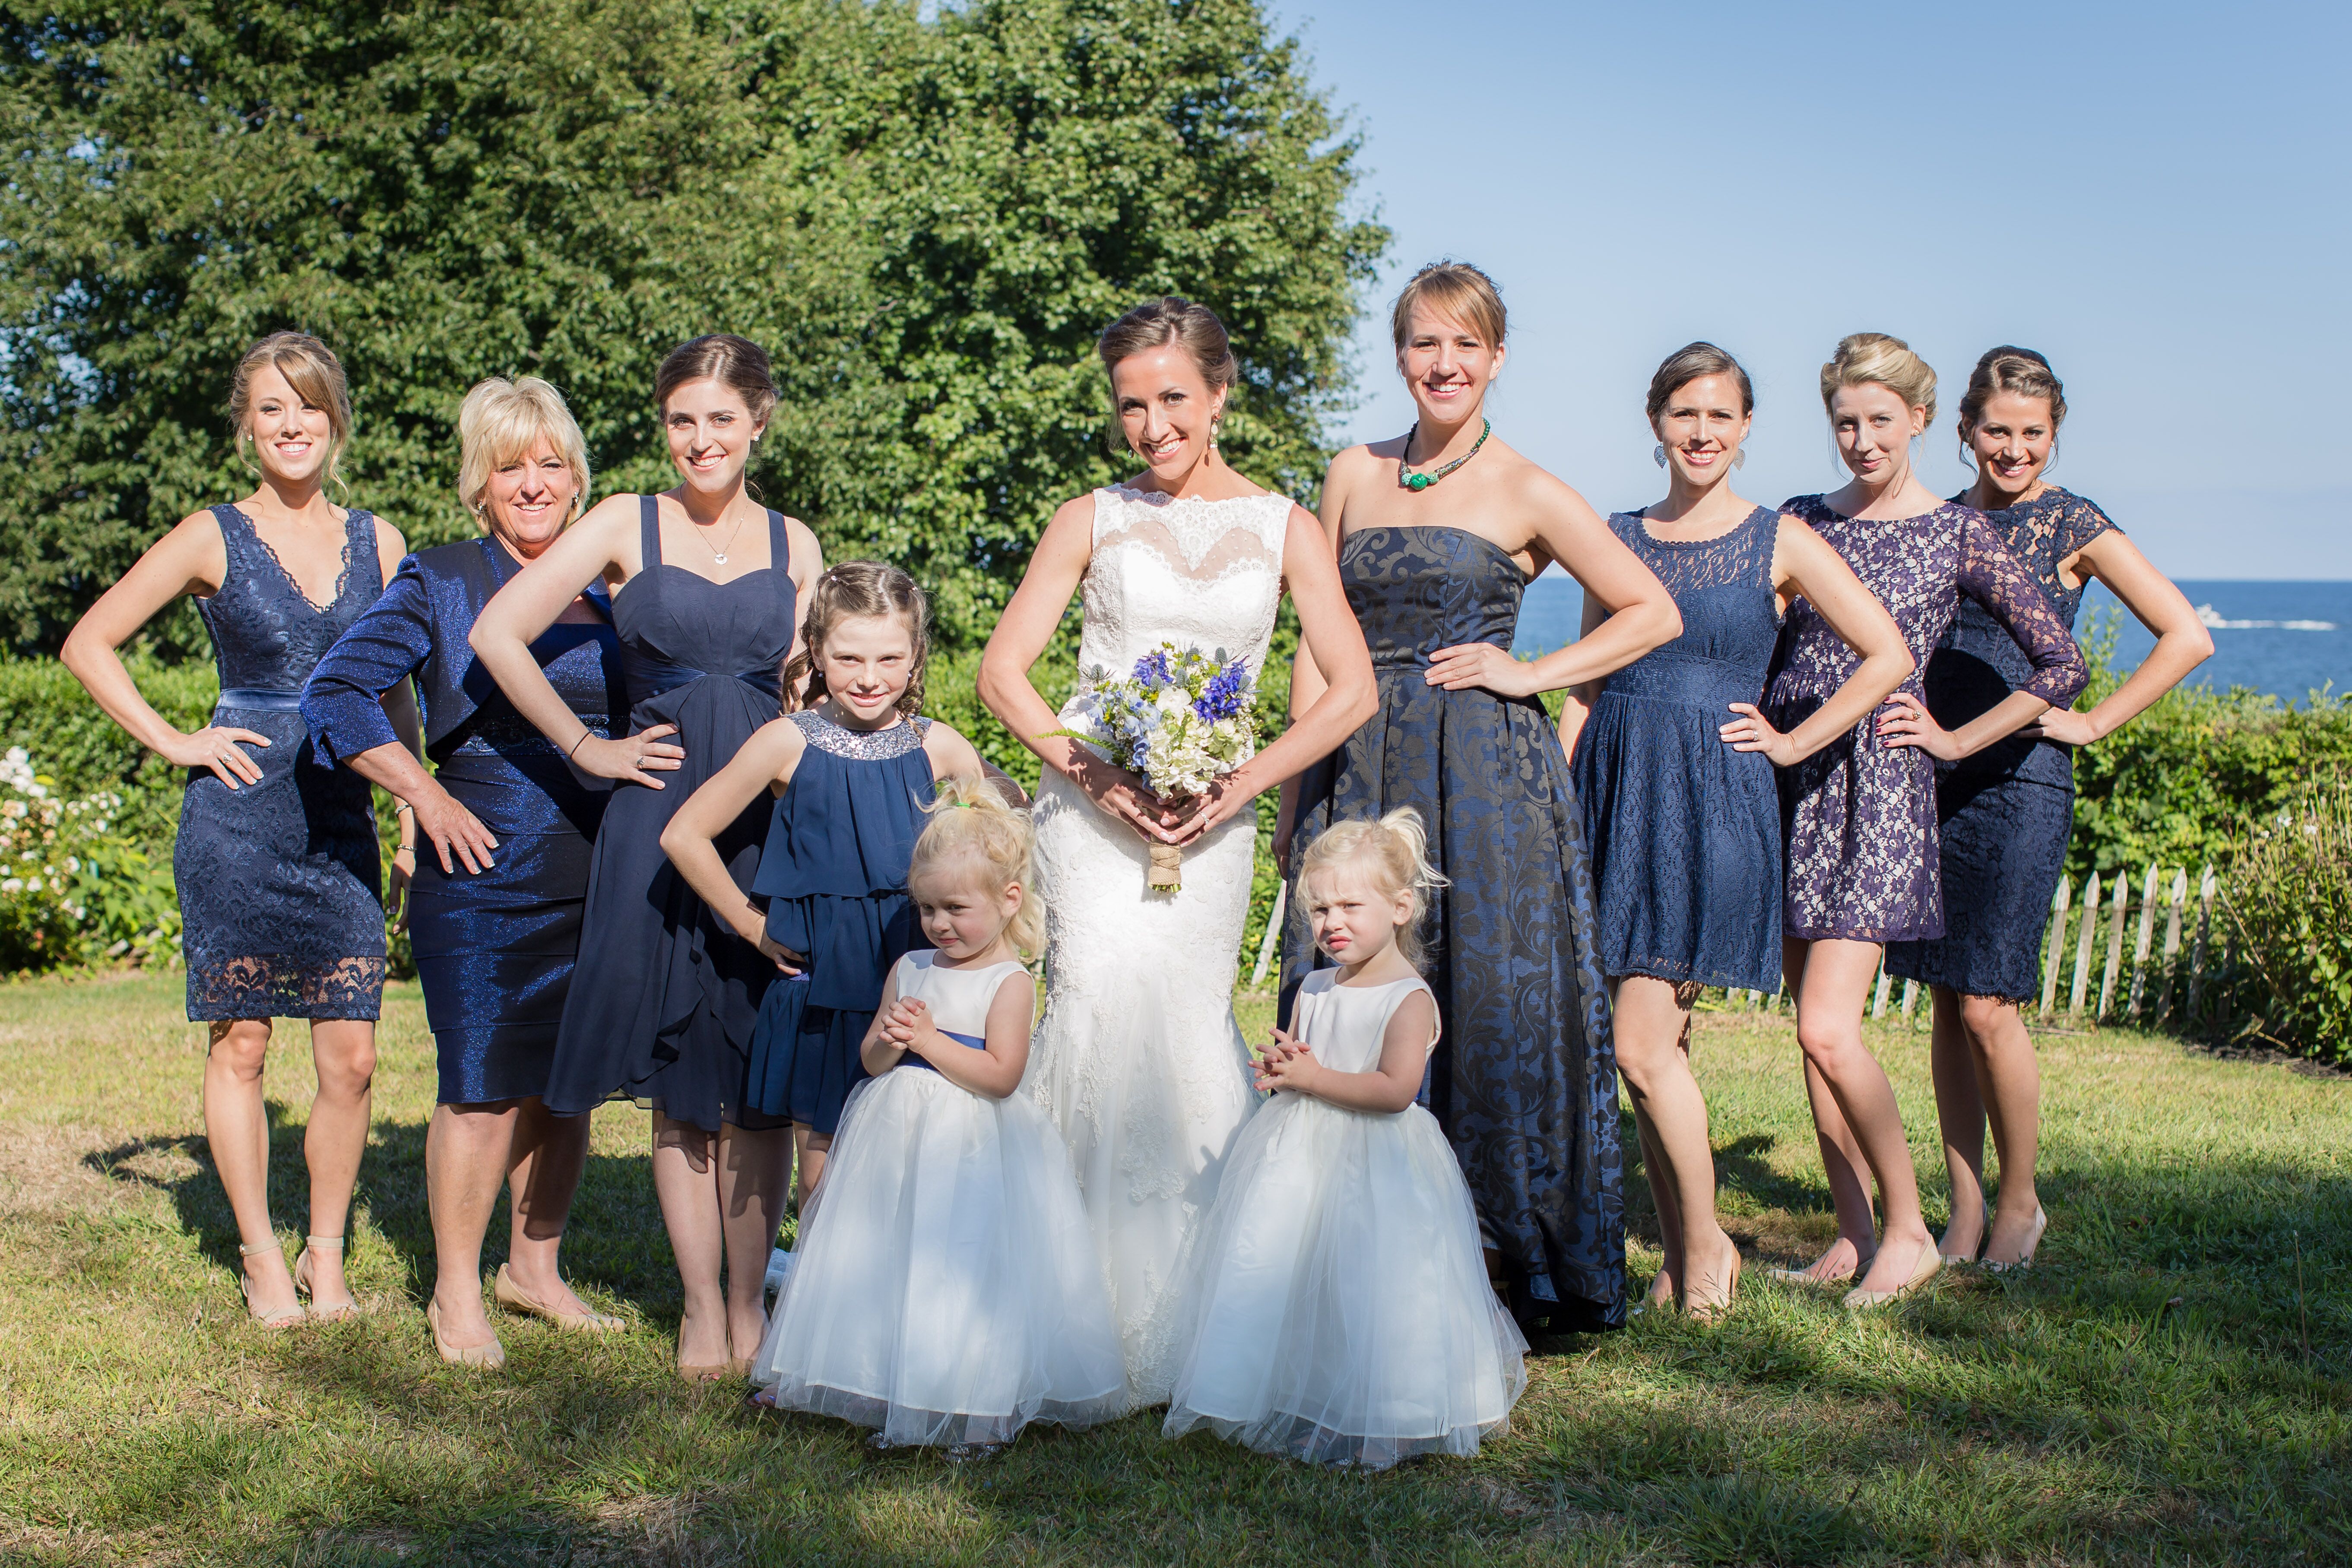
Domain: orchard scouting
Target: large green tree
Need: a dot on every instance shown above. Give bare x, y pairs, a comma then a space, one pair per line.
925, 221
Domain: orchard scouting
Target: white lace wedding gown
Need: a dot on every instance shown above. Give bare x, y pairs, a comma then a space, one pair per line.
1138, 1058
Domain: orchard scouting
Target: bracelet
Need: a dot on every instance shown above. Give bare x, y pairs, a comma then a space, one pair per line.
584, 734
401, 807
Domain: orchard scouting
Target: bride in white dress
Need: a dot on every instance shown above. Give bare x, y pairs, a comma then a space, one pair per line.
1137, 1058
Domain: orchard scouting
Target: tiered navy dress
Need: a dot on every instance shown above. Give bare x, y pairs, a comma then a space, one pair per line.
2005, 814
280, 882
1524, 1079
494, 949
835, 873
662, 1004
1685, 831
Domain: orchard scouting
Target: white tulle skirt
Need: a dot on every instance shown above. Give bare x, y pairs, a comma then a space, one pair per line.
1342, 1313
947, 1289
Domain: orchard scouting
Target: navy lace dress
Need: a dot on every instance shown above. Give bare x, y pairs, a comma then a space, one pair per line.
280, 882
495, 948
1858, 817
835, 875
1685, 831
1524, 1079
662, 1004
2004, 815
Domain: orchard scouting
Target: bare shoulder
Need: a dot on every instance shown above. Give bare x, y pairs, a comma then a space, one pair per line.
950, 752
1531, 485
1356, 462
807, 554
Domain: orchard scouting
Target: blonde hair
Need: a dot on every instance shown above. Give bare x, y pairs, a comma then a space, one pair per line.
1396, 849
314, 373
1874, 359
503, 421
847, 592
1454, 289
970, 819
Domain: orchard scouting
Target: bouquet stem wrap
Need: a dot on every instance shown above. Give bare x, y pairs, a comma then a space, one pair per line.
1167, 874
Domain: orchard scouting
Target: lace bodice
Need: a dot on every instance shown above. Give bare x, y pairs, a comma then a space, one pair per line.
1204, 573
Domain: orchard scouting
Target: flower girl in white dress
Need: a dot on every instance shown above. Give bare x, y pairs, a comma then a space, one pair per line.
948, 1290
1343, 1312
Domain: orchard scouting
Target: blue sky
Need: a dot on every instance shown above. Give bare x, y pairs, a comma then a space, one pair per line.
2155, 197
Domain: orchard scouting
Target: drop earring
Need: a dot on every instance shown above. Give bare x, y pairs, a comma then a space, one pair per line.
1658, 454
1214, 425
1739, 458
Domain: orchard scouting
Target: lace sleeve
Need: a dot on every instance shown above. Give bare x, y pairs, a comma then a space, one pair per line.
1994, 578
2085, 521
343, 702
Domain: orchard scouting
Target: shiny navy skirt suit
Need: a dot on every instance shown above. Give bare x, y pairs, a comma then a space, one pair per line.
494, 950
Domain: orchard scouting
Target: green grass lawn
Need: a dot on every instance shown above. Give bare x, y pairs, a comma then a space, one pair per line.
2168, 1385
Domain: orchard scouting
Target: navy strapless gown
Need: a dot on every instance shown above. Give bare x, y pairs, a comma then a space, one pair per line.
834, 873
662, 1006
494, 949
1524, 1079
280, 882
1685, 832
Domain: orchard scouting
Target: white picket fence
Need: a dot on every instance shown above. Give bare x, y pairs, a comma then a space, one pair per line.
2165, 986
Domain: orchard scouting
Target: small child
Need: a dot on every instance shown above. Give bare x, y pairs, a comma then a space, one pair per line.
1344, 1314
948, 1291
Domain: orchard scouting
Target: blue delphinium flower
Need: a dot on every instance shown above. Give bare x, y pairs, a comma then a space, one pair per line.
1226, 695
1152, 668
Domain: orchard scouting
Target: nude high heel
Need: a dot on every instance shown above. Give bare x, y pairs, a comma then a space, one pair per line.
332, 1312
486, 1357
1859, 1300
510, 1295
1709, 1311
2032, 1242
284, 1317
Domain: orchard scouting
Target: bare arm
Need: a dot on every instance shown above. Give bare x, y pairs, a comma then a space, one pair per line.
1388, 1087
1805, 564
2182, 643
877, 1053
768, 758
1307, 682
191, 558
994, 1072
1581, 698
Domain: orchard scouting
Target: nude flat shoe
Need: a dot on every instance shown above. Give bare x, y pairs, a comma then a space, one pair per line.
284, 1317
486, 1357
510, 1295
1860, 1300
332, 1311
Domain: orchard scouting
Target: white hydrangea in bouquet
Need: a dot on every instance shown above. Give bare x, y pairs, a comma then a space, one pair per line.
1181, 721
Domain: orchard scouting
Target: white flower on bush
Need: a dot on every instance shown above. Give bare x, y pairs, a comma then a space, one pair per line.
59, 858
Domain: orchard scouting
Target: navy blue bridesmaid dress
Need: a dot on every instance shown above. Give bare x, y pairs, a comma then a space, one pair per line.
1524, 1079
1685, 831
280, 882
835, 873
494, 949
662, 1006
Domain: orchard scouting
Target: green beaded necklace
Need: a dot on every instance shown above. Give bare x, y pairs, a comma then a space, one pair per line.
1408, 480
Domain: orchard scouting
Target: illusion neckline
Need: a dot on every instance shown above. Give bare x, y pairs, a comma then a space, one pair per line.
1162, 498
1642, 520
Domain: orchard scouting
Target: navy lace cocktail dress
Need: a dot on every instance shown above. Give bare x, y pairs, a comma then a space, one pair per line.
1524, 1079
2004, 815
494, 948
663, 1002
280, 882
1858, 817
1685, 831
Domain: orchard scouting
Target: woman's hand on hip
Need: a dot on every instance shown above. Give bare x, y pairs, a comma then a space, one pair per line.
632, 760
1904, 721
217, 747
456, 834
1481, 666
1751, 731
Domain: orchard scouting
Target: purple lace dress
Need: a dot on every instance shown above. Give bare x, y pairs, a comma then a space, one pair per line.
1858, 817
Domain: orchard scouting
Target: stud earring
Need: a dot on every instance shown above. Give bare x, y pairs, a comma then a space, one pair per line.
1658, 454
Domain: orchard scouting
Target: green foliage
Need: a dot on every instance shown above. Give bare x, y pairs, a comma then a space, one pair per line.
2288, 894
927, 222
72, 741
2177, 784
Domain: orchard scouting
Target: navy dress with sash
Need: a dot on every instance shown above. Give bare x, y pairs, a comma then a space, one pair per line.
662, 1006
494, 949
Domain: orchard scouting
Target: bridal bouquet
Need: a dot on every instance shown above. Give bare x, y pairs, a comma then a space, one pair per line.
1183, 720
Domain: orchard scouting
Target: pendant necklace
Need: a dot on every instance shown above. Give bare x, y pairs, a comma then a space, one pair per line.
718, 554
1408, 480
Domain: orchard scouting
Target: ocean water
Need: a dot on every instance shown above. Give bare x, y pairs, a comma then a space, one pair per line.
2288, 639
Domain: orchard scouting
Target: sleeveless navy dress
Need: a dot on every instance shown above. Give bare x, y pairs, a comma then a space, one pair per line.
1685, 831
834, 873
280, 882
495, 948
1524, 1079
663, 1000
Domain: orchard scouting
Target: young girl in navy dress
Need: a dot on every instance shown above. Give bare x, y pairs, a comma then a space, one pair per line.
948, 1290
851, 773
1344, 1315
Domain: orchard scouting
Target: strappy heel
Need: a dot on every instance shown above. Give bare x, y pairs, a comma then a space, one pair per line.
284, 1317
333, 1312
486, 1357
510, 1295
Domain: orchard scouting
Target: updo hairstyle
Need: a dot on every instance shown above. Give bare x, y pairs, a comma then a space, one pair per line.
970, 820
850, 590
2010, 369
1689, 363
737, 364
1156, 323
1394, 851
502, 422
314, 373
1874, 359
1456, 289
